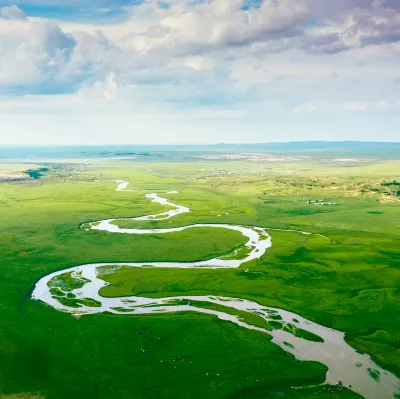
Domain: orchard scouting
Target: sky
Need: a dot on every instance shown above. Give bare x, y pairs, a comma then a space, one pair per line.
198, 71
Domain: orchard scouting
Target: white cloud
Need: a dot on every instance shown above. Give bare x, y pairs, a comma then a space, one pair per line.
33, 51
252, 47
111, 86
13, 13
223, 22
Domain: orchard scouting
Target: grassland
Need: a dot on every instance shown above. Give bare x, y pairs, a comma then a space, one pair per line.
348, 281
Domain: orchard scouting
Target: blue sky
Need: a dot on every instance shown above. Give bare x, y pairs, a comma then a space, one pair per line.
99, 11
179, 71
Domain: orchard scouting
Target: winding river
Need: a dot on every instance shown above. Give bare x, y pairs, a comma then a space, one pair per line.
354, 370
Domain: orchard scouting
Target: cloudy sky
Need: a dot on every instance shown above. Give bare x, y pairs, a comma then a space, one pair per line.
198, 71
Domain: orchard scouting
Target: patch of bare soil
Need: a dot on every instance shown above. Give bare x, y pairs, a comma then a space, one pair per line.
11, 177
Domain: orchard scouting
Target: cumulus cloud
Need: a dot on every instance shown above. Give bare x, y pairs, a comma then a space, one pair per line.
188, 27
13, 13
375, 25
155, 42
316, 42
209, 49
33, 51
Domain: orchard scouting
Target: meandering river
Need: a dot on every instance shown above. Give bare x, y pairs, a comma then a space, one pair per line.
354, 370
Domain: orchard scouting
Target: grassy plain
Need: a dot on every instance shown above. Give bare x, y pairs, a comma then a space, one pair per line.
349, 281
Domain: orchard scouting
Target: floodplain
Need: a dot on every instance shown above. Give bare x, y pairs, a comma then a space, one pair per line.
344, 276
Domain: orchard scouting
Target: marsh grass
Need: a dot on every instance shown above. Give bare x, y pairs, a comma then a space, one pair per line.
351, 285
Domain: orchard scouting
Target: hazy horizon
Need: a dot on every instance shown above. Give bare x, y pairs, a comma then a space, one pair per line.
209, 144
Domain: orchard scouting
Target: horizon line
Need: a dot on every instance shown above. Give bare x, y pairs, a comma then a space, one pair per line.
201, 144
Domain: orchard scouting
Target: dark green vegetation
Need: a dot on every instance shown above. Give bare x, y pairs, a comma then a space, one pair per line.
349, 281
36, 173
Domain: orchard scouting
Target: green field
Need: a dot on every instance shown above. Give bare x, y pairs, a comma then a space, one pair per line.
348, 280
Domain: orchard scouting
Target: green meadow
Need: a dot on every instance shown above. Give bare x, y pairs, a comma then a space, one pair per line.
346, 278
